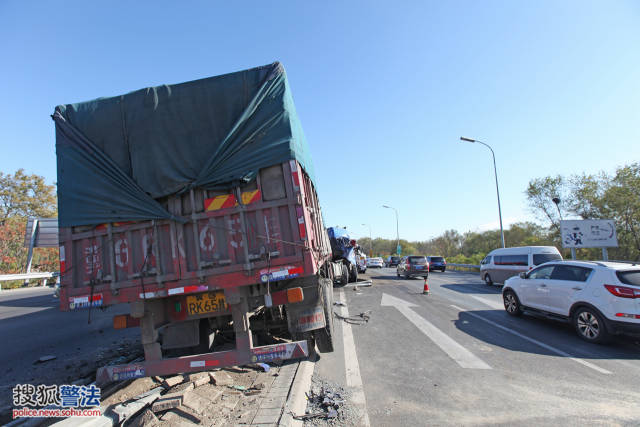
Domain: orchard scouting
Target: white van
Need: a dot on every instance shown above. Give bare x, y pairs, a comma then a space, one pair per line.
500, 264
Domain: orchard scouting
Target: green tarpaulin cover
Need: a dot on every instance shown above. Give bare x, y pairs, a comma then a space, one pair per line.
117, 155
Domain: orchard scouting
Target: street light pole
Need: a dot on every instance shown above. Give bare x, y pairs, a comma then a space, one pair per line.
370, 241
495, 171
397, 232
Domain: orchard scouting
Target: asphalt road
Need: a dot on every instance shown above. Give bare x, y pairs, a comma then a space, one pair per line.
31, 326
454, 357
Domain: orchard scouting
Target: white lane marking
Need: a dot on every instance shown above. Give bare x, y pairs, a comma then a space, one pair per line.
535, 341
492, 304
461, 355
352, 367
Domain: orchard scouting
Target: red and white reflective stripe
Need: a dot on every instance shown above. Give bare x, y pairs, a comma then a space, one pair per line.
187, 290
301, 225
294, 174
297, 270
149, 295
85, 299
203, 363
62, 263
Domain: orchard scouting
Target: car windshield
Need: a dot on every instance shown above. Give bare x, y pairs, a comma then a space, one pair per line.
417, 260
437, 259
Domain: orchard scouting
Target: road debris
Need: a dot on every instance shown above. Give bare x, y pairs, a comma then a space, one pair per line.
170, 382
221, 378
45, 359
131, 408
363, 283
199, 379
328, 404
357, 319
339, 303
262, 367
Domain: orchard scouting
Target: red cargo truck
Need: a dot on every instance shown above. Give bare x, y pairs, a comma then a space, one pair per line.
237, 253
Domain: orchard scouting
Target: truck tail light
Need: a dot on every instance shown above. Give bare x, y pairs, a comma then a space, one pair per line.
288, 296
294, 295
623, 291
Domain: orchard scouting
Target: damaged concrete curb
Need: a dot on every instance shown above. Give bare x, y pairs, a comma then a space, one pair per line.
297, 401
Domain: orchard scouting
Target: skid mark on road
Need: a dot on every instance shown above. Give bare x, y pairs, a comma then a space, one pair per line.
352, 367
535, 341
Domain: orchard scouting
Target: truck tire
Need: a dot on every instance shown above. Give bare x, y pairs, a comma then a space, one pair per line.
324, 337
344, 275
353, 273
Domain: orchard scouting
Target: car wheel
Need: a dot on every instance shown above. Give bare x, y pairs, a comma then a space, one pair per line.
512, 303
487, 280
443, 270
406, 277
344, 276
590, 325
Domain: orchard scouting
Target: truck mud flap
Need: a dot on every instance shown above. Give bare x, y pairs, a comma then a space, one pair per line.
202, 362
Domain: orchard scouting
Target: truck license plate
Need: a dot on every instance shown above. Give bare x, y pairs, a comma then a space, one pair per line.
208, 302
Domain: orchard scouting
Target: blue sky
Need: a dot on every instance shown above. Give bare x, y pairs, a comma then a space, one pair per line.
384, 91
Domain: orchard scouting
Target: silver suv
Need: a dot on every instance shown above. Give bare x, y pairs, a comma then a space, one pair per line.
598, 298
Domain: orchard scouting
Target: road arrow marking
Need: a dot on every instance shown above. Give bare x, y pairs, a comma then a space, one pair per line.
461, 355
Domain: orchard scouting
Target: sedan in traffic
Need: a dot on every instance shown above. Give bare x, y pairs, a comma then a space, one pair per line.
375, 262
413, 266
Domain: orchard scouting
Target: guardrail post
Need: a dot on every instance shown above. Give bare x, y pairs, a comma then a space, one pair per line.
32, 243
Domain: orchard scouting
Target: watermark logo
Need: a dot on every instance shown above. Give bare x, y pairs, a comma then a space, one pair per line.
55, 400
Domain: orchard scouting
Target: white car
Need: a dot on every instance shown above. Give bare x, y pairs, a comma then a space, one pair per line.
375, 262
600, 299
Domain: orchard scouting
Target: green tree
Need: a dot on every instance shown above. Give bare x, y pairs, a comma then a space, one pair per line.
541, 192
23, 195
599, 196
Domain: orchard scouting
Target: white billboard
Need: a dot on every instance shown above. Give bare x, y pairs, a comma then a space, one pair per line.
588, 233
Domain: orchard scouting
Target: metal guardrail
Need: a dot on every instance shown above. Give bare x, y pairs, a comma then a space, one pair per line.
27, 276
463, 266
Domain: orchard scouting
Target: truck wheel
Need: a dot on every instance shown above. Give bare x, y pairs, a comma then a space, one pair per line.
344, 275
353, 275
324, 337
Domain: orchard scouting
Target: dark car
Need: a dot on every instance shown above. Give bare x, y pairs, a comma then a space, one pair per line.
437, 263
392, 261
413, 266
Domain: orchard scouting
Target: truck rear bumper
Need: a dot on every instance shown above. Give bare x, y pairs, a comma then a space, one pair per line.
203, 362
